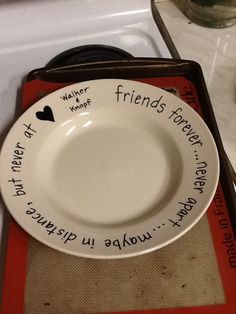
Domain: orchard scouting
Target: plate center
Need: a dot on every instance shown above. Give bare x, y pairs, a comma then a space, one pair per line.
112, 175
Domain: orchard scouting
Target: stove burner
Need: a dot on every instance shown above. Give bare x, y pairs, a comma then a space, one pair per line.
88, 53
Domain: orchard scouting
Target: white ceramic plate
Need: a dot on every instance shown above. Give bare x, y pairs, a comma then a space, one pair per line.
108, 169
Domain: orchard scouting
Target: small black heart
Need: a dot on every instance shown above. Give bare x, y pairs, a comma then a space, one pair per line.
46, 114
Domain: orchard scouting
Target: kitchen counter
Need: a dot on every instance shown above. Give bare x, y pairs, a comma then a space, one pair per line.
214, 50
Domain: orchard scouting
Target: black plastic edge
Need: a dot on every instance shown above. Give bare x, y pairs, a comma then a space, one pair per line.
163, 30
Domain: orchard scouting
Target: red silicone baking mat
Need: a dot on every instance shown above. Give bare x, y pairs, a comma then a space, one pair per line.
167, 281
